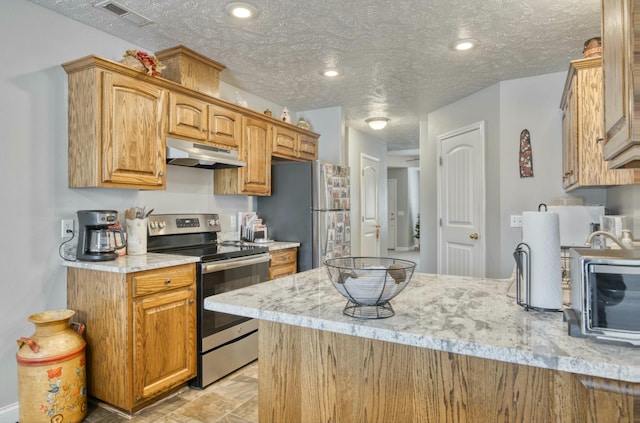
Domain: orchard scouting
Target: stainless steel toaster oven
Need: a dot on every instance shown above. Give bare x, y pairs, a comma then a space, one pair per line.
605, 294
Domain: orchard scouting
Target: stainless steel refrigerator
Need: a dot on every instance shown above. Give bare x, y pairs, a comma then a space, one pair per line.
310, 204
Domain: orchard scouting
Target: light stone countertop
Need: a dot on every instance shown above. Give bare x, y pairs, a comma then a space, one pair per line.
468, 316
277, 245
131, 264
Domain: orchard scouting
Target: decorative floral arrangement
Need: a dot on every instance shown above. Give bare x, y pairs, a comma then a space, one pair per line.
143, 62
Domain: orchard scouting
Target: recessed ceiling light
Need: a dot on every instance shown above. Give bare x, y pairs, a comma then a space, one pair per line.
242, 11
466, 44
377, 123
332, 73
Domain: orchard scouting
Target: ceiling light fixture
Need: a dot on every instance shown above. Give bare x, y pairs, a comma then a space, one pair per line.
377, 123
466, 44
244, 11
332, 73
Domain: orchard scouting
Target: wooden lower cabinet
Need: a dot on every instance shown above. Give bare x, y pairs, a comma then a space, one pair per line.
283, 263
309, 375
140, 332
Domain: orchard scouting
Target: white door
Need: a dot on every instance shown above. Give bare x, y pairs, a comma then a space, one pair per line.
392, 207
370, 230
461, 202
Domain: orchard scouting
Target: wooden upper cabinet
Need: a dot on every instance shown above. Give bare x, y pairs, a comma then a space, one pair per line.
307, 147
290, 143
285, 142
225, 126
255, 177
196, 120
187, 117
116, 127
583, 163
255, 150
620, 41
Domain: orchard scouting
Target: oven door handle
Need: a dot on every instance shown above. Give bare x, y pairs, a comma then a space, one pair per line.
235, 263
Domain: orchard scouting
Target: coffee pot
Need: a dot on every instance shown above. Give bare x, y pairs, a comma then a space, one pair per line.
97, 240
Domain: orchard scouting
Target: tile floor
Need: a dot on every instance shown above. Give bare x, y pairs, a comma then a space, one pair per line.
232, 399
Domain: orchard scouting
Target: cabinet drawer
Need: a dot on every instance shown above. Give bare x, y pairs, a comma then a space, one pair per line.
164, 279
283, 256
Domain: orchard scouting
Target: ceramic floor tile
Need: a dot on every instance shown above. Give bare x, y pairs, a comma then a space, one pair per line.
240, 387
207, 408
232, 399
248, 410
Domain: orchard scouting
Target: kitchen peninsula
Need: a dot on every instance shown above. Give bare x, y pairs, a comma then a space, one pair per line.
457, 350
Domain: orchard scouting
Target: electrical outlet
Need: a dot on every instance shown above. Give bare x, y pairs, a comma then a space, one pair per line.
516, 221
66, 229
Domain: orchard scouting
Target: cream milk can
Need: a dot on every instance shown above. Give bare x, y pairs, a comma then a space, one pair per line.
52, 384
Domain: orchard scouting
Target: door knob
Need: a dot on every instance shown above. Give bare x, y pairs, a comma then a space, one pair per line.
474, 235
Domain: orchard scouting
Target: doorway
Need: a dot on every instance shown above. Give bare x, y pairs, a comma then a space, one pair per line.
461, 201
369, 213
392, 209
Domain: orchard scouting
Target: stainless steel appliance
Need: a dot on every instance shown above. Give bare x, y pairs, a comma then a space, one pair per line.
310, 204
225, 342
96, 240
605, 294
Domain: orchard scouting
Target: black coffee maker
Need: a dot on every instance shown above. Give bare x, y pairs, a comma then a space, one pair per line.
96, 241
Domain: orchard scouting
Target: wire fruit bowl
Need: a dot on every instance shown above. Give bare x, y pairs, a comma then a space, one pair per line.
368, 283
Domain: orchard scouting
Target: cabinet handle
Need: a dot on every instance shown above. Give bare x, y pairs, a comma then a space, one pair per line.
599, 139
167, 281
161, 174
191, 301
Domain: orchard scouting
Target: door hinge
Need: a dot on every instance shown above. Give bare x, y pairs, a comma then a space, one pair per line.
440, 160
440, 222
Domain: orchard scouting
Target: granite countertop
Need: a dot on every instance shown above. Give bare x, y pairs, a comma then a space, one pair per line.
277, 245
468, 316
131, 264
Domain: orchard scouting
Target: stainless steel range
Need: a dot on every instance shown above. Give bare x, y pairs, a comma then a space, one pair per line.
225, 342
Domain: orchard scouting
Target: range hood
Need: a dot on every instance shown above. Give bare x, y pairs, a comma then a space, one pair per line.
186, 153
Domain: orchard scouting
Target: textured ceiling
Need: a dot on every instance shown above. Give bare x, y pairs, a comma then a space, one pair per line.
396, 55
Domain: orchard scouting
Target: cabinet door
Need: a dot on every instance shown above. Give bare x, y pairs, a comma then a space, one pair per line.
255, 177
307, 147
164, 348
617, 62
133, 148
285, 142
569, 144
225, 126
187, 117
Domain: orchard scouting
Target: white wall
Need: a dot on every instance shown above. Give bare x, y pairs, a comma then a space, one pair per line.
506, 108
330, 124
481, 106
359, 143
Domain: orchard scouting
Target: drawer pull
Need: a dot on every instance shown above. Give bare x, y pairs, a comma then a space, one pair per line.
167, 281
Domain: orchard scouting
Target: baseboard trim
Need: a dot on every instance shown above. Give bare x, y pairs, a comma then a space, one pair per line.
404, 249
9, 413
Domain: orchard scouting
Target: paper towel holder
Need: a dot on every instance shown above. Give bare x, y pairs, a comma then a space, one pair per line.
522, 256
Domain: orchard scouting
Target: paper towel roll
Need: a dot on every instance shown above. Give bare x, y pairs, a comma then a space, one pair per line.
541, 232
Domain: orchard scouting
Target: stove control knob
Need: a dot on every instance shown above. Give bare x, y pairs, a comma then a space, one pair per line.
153, 225
214, 222
161, 225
